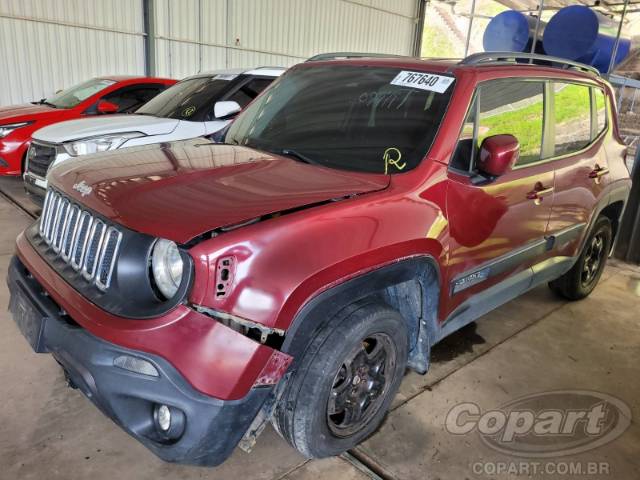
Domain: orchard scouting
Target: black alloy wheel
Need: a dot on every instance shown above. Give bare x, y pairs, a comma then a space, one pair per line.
360, 385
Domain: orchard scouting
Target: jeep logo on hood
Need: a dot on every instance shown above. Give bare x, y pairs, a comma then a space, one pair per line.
544, 425
83, 188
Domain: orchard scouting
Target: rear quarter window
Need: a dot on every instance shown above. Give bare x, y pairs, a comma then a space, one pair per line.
601, 110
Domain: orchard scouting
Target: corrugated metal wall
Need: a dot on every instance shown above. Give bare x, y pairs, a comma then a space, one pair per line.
245, 33
46, 45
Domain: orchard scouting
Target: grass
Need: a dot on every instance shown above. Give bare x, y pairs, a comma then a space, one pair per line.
437, 44
526, 123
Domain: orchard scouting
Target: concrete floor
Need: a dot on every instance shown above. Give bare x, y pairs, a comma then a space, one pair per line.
536, 343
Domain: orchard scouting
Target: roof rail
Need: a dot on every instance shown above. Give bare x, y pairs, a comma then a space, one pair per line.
512, 57
345, 55
269, 67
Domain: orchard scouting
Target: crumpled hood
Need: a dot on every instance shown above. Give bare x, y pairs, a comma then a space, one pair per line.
184, 189
24, 112
105, 125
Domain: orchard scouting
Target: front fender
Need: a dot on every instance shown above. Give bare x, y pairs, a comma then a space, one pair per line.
279, 264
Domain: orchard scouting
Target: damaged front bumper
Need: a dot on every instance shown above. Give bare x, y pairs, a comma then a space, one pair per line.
131, 385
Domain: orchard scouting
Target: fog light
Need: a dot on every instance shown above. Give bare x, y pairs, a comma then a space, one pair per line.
170, 422
163, 417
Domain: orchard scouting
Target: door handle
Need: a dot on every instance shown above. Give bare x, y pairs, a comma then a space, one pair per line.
539, 193
598, 172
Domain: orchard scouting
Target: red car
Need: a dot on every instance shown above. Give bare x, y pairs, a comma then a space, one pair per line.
358, 211
113, 94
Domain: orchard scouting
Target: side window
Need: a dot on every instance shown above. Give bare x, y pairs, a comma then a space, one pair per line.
249, 91
129, 99
573, 117
512, 107
517, 108
601, 110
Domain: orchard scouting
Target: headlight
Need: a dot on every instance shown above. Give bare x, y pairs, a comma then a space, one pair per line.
7, 129
166, 265
98, 144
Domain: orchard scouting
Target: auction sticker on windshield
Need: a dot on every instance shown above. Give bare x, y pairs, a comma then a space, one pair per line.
423, 81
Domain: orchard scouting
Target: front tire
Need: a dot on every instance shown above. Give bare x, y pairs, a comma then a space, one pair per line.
345, 381
583, 277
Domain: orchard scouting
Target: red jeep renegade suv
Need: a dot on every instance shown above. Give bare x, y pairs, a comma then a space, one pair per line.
356, 213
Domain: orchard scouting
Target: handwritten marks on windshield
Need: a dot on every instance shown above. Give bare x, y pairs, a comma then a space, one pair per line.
392, 157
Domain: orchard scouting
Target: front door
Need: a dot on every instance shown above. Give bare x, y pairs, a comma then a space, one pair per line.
498, 226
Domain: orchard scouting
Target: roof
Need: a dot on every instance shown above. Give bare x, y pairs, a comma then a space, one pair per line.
452, 65
118, 78
436, 65
124, 78
267, 71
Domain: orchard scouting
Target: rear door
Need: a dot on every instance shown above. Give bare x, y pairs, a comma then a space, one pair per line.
498, 226
578, 128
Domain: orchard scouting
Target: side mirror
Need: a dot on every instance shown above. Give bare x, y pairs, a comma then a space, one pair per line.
224, 109
105, 106
498, 154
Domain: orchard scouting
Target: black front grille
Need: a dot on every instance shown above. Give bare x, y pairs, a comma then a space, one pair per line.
81, 239
102, 260
40, 156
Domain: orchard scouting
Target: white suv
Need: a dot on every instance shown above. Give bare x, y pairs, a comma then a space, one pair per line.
199, 105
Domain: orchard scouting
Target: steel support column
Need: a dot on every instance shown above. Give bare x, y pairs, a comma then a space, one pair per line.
471, 17
537, 30
417, 39
149, 20
615, 45
628, 242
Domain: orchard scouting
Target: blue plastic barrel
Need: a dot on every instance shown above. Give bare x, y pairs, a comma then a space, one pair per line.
579, 33
511, 31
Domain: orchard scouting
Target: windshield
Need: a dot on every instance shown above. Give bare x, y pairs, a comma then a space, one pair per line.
191, 99
368, 119
73, 96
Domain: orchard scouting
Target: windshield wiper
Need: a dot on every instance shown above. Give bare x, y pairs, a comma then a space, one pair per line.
295, 154
44, 102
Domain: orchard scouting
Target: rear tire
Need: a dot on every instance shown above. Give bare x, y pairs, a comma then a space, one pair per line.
583, 277
345, 381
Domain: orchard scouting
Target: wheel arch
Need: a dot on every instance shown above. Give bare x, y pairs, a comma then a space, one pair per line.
611, 206
613, 212
411, 286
